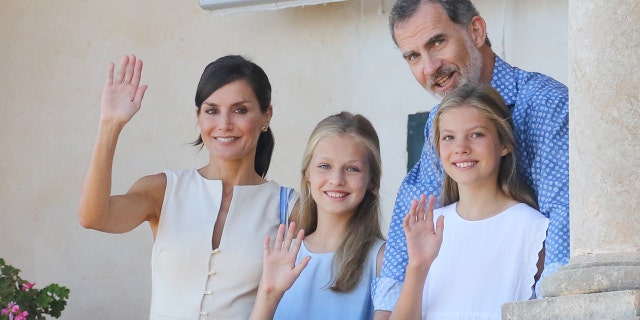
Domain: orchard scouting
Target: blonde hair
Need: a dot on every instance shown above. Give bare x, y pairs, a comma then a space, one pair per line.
363, 229
488, 101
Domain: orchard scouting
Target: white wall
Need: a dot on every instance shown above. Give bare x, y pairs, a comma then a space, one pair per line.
320, 59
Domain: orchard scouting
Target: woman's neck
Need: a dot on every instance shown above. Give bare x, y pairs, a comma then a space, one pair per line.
482, 203
328, 235
231, 173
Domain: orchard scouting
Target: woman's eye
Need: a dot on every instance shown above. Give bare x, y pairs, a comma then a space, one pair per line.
477, 135
241, 110
211, 111
324, 166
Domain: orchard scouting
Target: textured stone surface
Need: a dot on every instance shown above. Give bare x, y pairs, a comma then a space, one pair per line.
604, 132
590, 274
602, 280
619, 305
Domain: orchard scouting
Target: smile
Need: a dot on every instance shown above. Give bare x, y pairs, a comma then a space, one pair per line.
442, 80
226, 139
334, 194
465, 164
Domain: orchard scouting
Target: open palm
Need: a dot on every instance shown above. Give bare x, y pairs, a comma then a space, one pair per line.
122, 94
423, 238
279, 271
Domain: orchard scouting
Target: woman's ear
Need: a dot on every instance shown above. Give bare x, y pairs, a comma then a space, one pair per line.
269, 114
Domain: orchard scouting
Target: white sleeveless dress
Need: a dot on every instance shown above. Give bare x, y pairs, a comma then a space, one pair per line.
483, 264
189, 279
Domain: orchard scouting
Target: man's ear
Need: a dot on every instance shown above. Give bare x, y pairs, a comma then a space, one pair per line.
478, 31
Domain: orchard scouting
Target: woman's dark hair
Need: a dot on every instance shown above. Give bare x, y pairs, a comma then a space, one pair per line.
231, 68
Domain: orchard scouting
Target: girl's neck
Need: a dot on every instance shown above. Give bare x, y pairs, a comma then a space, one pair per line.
482, 203
328, 235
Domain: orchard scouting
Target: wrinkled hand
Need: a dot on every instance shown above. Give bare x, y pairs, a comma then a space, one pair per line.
279, 271
423, 238
122, 94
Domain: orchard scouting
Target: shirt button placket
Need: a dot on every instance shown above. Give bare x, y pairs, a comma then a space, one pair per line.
208, 292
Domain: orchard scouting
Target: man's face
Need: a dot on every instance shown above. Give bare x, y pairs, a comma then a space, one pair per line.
440, 53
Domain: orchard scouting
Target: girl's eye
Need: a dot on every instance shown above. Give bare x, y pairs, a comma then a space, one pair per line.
447, 138
353, 169
324, 166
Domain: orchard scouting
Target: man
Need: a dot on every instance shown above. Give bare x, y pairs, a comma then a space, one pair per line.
445, 45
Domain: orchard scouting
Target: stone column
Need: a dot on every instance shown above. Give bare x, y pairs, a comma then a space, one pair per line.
602, 279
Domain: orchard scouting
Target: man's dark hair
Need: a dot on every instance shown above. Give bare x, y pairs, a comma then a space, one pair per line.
460, 12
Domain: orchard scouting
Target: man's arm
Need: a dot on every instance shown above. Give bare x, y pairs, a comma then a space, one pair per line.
549, 136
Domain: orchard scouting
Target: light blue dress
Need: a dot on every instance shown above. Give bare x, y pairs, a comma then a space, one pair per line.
310, 298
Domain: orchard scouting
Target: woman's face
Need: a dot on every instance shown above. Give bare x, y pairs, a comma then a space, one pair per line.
230, 122
338, 176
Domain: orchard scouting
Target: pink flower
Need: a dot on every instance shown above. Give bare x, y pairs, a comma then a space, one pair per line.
28, 285
21, 316
14, 312
12, 307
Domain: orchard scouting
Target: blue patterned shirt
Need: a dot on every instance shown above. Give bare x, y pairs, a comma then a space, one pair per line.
539, 106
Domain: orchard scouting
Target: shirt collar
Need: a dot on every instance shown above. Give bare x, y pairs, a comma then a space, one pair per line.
504, 80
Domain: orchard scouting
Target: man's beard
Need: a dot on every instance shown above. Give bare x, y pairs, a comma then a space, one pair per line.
469, 74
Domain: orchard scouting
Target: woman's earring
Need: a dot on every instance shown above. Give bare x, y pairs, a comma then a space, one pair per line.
264, 128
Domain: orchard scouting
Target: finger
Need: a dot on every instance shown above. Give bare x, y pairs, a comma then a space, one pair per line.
267, 246
289, 238
137, 72
430, 206
123, 67
412, 210
420, 211
278, 244
298, 242
440, 227
406, 222
110, 68
301, 265
128, 72
137, 99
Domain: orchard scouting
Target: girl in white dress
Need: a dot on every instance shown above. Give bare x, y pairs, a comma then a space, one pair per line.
339, 210
491, 251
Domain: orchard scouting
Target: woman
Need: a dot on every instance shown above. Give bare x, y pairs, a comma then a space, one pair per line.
206, 222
